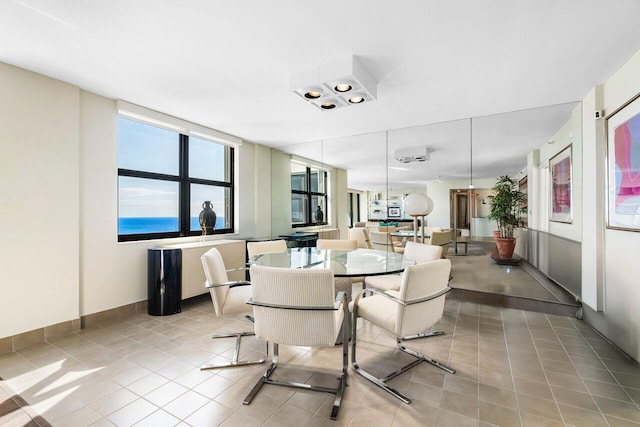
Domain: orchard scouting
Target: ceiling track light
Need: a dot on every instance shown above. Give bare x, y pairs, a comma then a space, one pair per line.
338, 84
343, 87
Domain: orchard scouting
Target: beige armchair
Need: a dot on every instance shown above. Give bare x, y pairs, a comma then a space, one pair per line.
227, 297
383, 242
361, 236
442, 239
298, 307
417, 306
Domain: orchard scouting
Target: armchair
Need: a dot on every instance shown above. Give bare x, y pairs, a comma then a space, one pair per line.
227, 297
418, 305
298, 307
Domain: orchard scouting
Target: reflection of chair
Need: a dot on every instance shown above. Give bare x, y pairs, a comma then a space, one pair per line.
417, 252
267, 247
360, 235
417, 306
227, 297
382, 242
442, 239
329, 244
298, 307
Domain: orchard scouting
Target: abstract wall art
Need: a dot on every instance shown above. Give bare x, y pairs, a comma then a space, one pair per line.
623, 168
560, 168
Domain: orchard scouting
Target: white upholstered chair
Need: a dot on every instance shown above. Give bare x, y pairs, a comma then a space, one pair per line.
417, 306
227, 297
329, 244
266, 247
298, 307
442, 239
418, 252
361, 236
383, 242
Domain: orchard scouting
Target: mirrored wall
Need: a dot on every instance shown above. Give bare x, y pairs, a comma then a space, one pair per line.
365, 178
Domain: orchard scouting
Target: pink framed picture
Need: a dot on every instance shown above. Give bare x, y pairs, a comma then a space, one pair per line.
623, 168
560, 169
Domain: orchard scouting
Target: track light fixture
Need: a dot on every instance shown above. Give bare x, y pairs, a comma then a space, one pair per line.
339, 84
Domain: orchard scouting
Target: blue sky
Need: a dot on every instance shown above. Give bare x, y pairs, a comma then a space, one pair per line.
150, 149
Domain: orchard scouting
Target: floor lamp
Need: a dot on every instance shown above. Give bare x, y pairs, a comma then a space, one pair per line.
417, 205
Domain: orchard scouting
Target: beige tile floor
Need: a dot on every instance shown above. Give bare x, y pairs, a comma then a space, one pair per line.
514, 368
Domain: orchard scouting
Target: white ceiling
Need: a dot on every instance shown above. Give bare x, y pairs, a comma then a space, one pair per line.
226, 65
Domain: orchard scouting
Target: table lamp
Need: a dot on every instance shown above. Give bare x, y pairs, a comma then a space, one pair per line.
416, 205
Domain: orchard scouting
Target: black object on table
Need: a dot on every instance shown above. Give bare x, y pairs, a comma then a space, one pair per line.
301, 239
164, 281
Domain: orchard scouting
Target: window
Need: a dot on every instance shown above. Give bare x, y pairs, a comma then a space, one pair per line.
164, 177
308, 195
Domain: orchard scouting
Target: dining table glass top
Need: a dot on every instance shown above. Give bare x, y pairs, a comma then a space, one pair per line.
343, 263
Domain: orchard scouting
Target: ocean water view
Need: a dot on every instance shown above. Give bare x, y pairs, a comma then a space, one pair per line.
141, 225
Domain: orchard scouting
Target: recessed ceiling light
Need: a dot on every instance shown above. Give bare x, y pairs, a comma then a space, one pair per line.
356, 99
343, 87
313, 94
327, 105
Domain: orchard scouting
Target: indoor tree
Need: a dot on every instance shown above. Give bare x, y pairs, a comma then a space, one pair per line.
507, 203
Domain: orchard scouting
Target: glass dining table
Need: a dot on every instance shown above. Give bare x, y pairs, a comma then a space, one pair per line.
343, 263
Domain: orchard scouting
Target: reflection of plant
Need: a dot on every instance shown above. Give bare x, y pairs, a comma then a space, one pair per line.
506, 204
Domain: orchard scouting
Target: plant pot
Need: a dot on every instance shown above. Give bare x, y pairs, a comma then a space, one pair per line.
496, 234
506, 247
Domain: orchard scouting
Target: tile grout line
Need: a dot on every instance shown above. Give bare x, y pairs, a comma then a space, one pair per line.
546, 377
610, 373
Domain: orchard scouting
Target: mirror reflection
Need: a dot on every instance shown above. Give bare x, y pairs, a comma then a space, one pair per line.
327, 187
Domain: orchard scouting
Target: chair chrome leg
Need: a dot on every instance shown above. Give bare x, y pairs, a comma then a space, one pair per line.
236, 353
424, 358
422, 335
381, 382
338, 391
365, 374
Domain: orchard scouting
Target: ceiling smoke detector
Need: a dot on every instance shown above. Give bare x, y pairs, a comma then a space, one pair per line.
412, 155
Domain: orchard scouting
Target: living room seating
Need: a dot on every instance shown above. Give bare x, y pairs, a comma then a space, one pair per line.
442, 239
298, 307
383, 242
417, 306
227, 297
361, 236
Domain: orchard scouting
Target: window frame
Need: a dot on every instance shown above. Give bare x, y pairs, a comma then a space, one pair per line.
309, 197
184, 190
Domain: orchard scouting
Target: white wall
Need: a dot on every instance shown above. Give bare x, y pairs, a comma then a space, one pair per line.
619, 320
39, 201
115, 274
569, 134
58, 208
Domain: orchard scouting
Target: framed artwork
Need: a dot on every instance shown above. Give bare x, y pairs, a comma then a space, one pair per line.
623, 168
393, 212
560, 170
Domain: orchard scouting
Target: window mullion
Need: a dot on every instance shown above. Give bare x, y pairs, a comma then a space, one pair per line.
184, 213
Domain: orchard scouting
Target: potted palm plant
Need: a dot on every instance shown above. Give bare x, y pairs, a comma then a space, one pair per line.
507, 204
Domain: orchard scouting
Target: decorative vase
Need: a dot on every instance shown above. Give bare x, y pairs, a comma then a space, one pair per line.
207, 218
506, 246
319, 215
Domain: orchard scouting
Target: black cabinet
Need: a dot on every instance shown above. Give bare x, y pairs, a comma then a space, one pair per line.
164, 281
